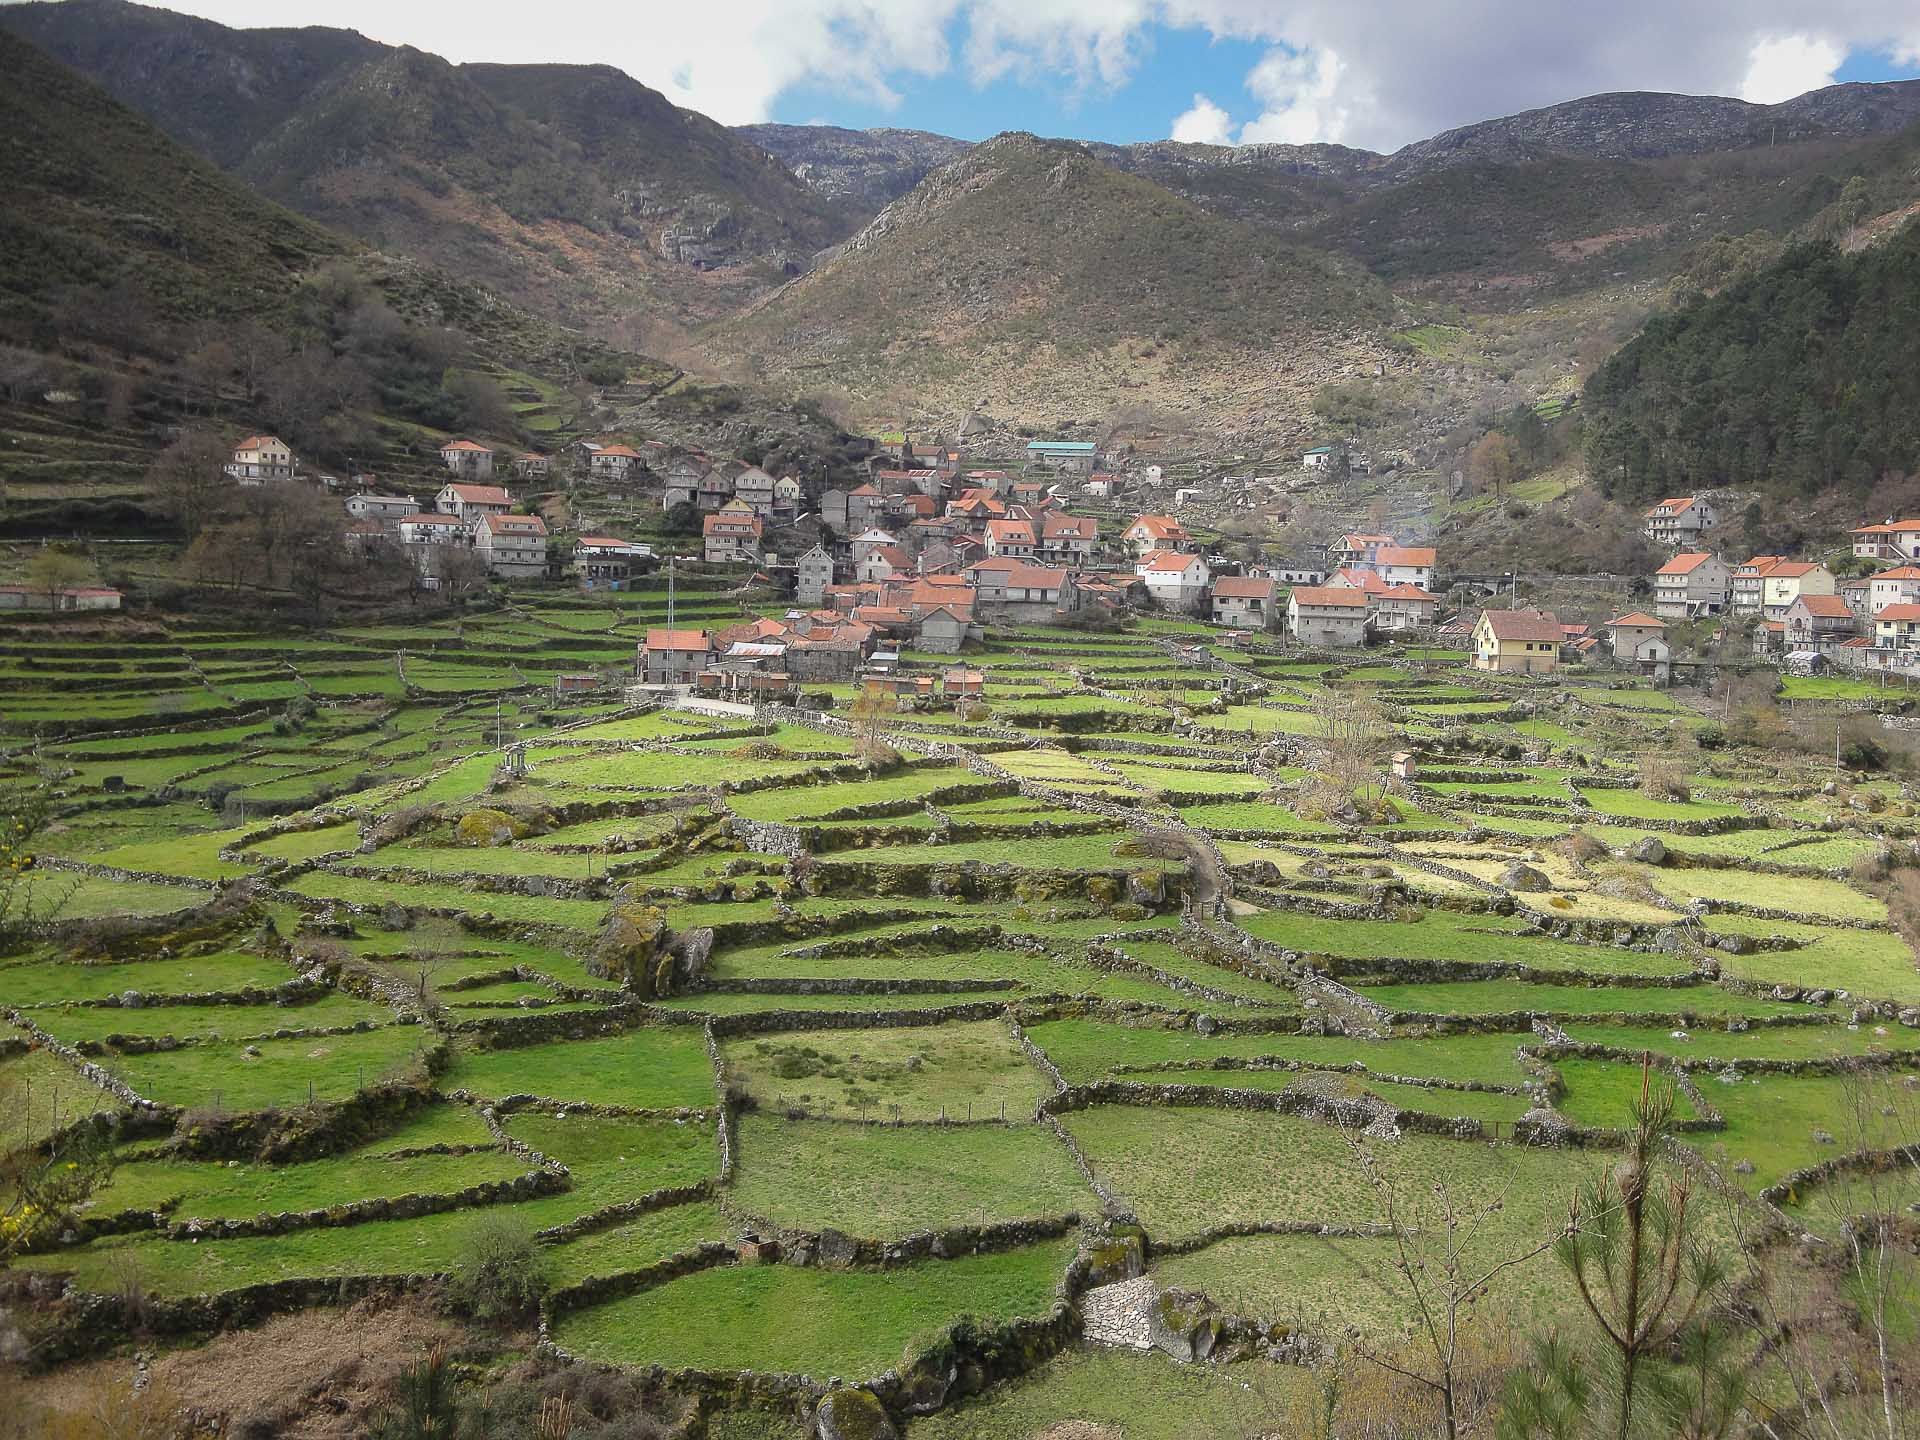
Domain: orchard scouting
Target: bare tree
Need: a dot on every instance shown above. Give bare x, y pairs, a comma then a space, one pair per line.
1444, 1271
190, 480
1351, 739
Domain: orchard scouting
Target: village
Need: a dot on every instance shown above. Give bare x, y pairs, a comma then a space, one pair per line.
942, 540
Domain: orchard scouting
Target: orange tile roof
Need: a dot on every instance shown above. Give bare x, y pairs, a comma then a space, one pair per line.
680, 640
1523, 625
1330, 596
1684, 564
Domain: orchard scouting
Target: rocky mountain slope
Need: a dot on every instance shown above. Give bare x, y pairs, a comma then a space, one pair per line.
866, 168
1030, 276
575, 190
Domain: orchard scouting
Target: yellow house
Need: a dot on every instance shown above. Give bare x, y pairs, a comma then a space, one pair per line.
1788, 581
1517, 642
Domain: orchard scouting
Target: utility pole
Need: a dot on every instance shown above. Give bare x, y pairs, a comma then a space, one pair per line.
670, 592
496, 722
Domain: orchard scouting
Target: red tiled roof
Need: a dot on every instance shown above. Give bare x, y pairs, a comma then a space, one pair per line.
465, 445
1792, 569
1907, 611
1684, 564
680, 640
1405, 555
1244, 587
481, 494
1523, 625
1826, 607
261, 442
1167, 561
1330, 595
1638, 619
1898, 572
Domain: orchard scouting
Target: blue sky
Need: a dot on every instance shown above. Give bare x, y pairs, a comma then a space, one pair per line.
1172, 66
1370, 73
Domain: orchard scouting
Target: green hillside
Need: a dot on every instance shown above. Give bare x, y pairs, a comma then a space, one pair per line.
1802, 378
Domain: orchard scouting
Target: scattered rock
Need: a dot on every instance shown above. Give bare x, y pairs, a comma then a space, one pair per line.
853, 1415
1524, 878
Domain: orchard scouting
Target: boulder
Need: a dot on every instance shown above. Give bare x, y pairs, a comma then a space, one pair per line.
1183, 1325
1650, 851
1523, 877
837, 1249
853, 1415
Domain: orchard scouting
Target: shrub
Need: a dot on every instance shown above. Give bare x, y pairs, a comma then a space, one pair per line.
1661, 779
500, 1273
1710, 736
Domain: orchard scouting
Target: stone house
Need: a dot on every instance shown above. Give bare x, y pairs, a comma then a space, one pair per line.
532, 466
613, 464
732, 538
942, 631
1818, 622
1328, 615
1245, 603
865, 504
1627, 633
714, 490
1678, 521
514, 546
468, 460
813, 573
674, 657
755, 486
1691, 584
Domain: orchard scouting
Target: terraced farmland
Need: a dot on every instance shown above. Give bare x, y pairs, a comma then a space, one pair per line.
351, 941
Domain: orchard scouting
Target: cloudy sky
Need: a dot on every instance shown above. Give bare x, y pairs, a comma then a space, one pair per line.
1373, 73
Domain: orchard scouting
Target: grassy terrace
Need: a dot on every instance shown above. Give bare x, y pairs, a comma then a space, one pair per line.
863, 1000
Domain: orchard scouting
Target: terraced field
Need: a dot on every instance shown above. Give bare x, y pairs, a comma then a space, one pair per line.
356, 937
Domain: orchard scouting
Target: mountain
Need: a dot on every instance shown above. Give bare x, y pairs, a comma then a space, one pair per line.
1028, 274
101, 204
1643, 125
574, 190
869, 169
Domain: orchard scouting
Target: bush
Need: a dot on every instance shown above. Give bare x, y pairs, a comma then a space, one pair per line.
1710, 736
500, 1273
1661, 779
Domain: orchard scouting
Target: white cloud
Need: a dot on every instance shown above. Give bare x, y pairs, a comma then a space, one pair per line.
1205, 124
1379, 73
1783, 66
1302, 96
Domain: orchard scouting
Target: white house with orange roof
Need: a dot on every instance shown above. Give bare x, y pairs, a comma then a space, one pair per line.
1404, 607
1067, 539
1898, 586
1174, 578
261, 457
1691, 584
1897, 540
1678, 521
1356, 549
1403, 564
613, 462
467, 459
731, 537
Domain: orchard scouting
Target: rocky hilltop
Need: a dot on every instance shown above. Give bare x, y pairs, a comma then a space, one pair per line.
866, 168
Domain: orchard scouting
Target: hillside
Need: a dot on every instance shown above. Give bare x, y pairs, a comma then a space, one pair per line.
100, 203
1802, 378
1029, 276
573, 190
